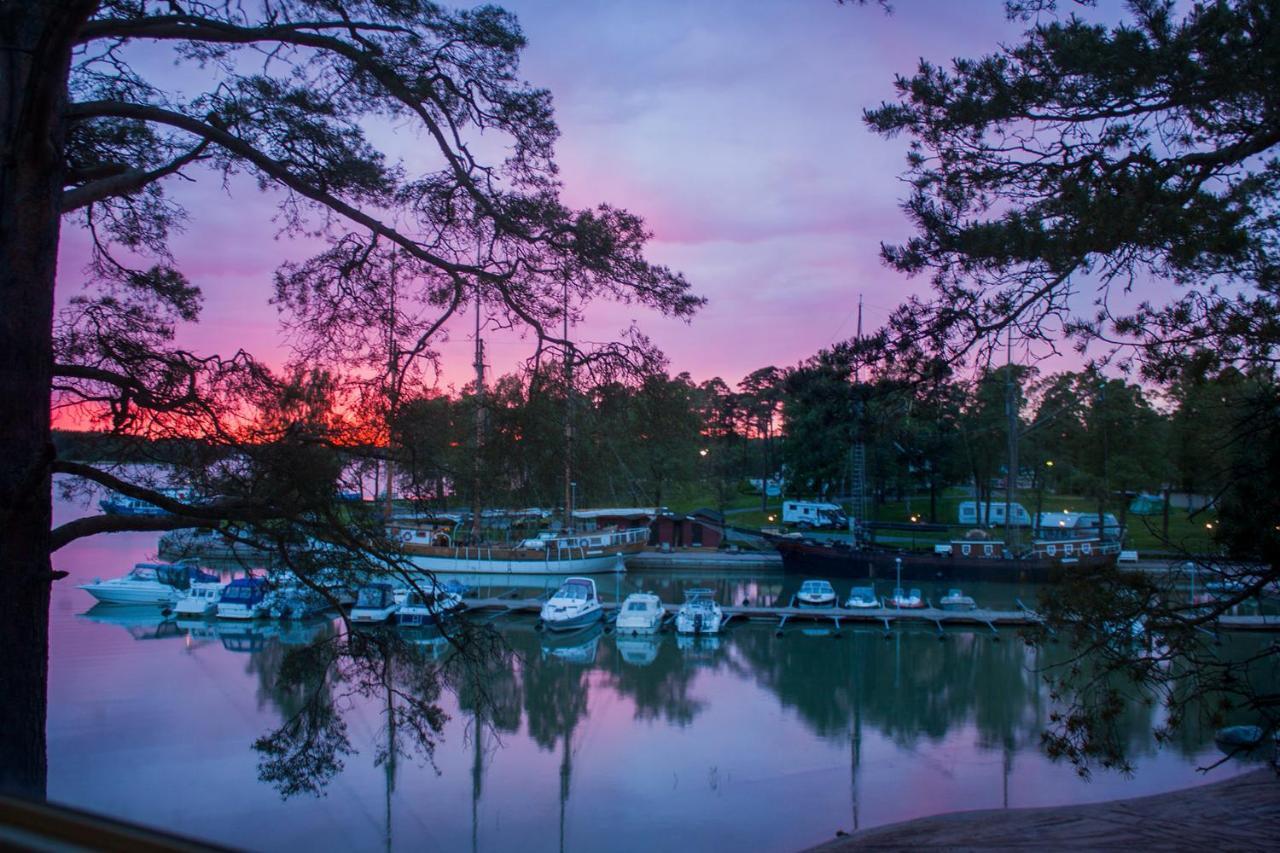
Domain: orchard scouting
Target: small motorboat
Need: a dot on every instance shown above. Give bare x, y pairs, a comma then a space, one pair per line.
816, 594
244, 598
149, 583
699, 614
201, 600
862, 598
375, 603
295, 601
428, 606
641, 613
574, 605
906, 600
957, 600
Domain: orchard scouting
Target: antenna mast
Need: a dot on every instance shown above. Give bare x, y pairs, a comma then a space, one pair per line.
479, 365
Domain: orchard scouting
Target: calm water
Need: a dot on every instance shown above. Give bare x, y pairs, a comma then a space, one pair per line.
771, 743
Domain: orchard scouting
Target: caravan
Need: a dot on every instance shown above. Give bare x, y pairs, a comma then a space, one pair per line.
971, 513
807, 514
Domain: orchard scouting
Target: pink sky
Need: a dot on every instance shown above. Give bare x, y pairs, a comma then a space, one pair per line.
735, 130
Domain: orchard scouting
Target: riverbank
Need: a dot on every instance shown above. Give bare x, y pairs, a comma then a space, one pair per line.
1242, 813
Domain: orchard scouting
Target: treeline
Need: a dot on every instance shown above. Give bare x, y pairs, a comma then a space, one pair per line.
666, 439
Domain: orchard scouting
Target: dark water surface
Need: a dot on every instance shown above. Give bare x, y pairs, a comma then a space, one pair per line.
747, 740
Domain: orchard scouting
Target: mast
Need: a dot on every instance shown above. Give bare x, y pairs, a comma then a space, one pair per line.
476, 471
1011, 410
393, 366
568, 414
858, 453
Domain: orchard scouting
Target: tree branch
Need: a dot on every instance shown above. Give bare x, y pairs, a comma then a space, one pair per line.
92, 525
127, 182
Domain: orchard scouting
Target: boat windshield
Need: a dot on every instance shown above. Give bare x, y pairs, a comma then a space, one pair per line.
637, 606
142, 573
241, 592
815, 586
576, 591
863, 592
695, 595
372, 596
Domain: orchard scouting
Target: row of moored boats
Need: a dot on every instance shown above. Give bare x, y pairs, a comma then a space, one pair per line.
193, 593
576, 605
820, 593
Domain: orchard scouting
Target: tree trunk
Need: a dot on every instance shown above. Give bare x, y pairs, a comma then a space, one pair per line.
36, 39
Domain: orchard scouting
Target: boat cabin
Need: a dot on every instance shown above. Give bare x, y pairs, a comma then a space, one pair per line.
993, 513
980, 548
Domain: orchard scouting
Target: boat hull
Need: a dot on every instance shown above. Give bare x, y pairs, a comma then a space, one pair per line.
839, 560
573, 623
502, 564
109, 593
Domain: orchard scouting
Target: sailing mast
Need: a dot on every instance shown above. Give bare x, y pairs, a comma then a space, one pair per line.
858, 459
568, 414
476, 471
1011, 411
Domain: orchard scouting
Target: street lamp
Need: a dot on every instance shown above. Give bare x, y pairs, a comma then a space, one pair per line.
915, 519
702, 452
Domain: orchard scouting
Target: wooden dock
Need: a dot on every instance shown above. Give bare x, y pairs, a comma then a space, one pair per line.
885, 617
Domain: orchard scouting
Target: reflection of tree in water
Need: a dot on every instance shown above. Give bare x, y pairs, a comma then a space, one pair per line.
314, 685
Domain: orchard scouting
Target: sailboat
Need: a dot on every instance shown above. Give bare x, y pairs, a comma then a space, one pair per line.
568, 553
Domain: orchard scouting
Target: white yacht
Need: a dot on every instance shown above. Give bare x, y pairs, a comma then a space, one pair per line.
148, 583
816, 594
641, 613
244, 598
429, 606
574, 605
699, 614
375, 603
862, 598
201, 600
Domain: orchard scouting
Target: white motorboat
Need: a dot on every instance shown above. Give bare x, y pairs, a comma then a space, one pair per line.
816, 594
957, 600
906, 600
244, 598
862, 598
375, 603
699, 614
641, 613
429, 606
574, 605
295, 601
148, 583
201, 600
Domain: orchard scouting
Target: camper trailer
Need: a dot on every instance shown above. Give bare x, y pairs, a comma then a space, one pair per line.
971, 514
814, 514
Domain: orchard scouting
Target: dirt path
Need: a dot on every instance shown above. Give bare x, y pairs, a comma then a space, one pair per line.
1237, 814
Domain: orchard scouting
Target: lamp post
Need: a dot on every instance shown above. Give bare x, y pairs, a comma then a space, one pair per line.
915, 519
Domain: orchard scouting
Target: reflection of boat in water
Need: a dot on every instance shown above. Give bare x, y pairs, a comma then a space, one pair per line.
574, 605
638, 649
699, 614
573, 647
641, 613
142, 621
912, 600
429, 638
148, 583
698, 646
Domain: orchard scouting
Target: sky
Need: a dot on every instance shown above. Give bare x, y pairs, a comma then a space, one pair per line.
733, 128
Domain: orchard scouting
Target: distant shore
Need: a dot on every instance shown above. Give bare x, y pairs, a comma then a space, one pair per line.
1241, 813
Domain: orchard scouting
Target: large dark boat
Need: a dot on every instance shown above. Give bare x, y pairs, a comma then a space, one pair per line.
964, 559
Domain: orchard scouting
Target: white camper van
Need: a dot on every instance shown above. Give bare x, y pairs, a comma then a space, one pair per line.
970, 513
814, 514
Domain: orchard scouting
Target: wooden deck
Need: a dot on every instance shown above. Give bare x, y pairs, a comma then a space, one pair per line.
885, 617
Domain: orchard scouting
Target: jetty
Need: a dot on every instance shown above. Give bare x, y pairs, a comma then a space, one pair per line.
885, 617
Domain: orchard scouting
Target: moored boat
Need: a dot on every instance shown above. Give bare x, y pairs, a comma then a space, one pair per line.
574, 605
641, 613
862, 598
149, 583
428, 606
956, 600
244, 598
201, 600
700, 614
816, 593
375, 603
597, 552
903, 599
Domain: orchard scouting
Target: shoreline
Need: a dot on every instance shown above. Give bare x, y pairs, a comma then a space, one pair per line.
1240, 813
